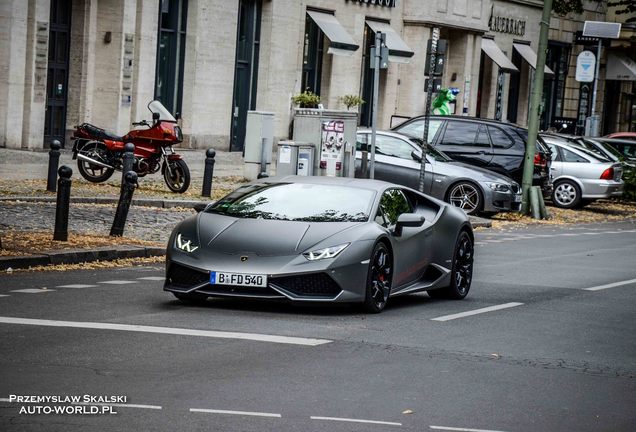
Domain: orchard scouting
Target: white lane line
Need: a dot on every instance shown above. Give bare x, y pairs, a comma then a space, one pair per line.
446, 428
140, 406
76, 286
351, 420
243, 413
476, 311
32, 290
117, 282
168, 330
152, 278
611, 285
4, 399
4, 295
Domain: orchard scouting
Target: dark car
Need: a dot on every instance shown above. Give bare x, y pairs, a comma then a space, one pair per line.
489, 144
626, 146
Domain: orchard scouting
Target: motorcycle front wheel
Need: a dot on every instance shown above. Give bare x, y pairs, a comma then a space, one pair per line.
92, 172
177, 175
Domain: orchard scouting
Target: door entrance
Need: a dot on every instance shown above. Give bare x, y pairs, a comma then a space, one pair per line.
245, 70
57, 77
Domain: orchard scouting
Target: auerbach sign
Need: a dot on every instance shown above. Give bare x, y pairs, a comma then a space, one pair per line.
385, 3
506, 25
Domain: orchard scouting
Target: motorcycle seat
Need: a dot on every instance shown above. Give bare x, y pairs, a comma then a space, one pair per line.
100, 133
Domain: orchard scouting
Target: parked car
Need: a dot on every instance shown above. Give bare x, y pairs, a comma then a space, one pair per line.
627, 147
579, 176
622, 135
597, 146
484, 143
321, 239
473, 189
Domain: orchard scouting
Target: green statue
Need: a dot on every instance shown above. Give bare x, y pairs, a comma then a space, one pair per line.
441, 104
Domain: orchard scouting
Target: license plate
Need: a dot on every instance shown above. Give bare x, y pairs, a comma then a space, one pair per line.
238, 279
516, 198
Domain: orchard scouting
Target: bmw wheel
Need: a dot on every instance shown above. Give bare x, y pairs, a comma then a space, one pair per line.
466, 196
461, 272
566, 194
379, 278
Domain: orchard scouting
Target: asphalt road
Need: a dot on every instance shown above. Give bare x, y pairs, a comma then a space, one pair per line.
554, 349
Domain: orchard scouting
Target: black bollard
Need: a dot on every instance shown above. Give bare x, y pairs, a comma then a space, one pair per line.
128, 161
125, 198
207, 174
54, 161
62, 206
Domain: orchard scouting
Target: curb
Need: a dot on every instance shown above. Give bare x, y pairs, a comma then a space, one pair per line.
478, 222
143, 202
76, 256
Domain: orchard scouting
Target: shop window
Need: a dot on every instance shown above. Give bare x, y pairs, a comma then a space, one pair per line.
171, 53
557, 59
314, 44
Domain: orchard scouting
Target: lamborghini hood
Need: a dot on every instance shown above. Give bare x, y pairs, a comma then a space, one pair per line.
263, 237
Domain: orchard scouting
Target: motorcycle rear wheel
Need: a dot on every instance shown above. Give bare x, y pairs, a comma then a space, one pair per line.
177, 175
91, 172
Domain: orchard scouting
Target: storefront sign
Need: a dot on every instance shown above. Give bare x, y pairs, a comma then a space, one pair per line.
506, 25
383, 3
332, 146
585, 66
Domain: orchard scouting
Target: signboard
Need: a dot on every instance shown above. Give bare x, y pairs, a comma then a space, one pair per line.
585, 66
332, 146
583, 109
382, 3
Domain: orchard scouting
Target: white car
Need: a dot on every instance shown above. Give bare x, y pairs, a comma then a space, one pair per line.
580, 176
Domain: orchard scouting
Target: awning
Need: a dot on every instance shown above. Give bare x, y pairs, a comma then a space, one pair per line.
497, 55
530, 56
340, 42
399, 51
620, 67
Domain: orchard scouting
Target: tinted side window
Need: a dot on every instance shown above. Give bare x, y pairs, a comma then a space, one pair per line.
361, 142
416, 129
391, 146
393, 203
482, 139
460, 133
500, 139
569, 156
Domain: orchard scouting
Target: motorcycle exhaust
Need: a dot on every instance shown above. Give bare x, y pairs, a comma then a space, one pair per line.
93, 161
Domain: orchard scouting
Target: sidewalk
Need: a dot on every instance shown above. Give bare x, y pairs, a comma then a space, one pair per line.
26, 207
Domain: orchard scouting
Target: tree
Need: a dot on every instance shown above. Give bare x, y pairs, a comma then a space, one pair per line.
563, 7
624, 7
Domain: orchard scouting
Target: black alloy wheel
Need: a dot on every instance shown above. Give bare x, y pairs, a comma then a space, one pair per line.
177, 175
95, 173
379, 279
461, 272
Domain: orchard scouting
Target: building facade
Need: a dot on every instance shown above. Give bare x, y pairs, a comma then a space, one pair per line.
210, 61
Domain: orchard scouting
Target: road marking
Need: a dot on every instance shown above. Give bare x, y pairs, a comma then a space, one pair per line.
32, 290
153, 407
152, 278
243, 413
117, 282
476, 311
76, 286
4, 399
461, 429
612, 285
351, 420
4, 295
168, 330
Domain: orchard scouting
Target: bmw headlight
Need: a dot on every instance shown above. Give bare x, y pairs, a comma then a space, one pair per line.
499, 187
184, 244
328, 252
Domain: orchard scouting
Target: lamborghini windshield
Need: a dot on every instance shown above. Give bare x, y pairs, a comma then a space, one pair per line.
297, 202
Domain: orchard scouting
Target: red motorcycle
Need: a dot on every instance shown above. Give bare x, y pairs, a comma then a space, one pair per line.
99, 152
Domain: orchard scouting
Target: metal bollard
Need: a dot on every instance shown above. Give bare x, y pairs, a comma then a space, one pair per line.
206, 191
128, 161
125, 199
62, 206
54, 161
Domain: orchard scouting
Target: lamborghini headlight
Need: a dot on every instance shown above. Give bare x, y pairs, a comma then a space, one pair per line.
328, 252
184, 244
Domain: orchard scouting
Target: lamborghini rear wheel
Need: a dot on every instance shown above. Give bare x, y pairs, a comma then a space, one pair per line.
379, 278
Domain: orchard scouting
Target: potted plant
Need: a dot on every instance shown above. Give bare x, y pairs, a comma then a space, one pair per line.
351, 101
306, 99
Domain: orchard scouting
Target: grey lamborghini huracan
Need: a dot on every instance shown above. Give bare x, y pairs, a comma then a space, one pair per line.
325, 239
